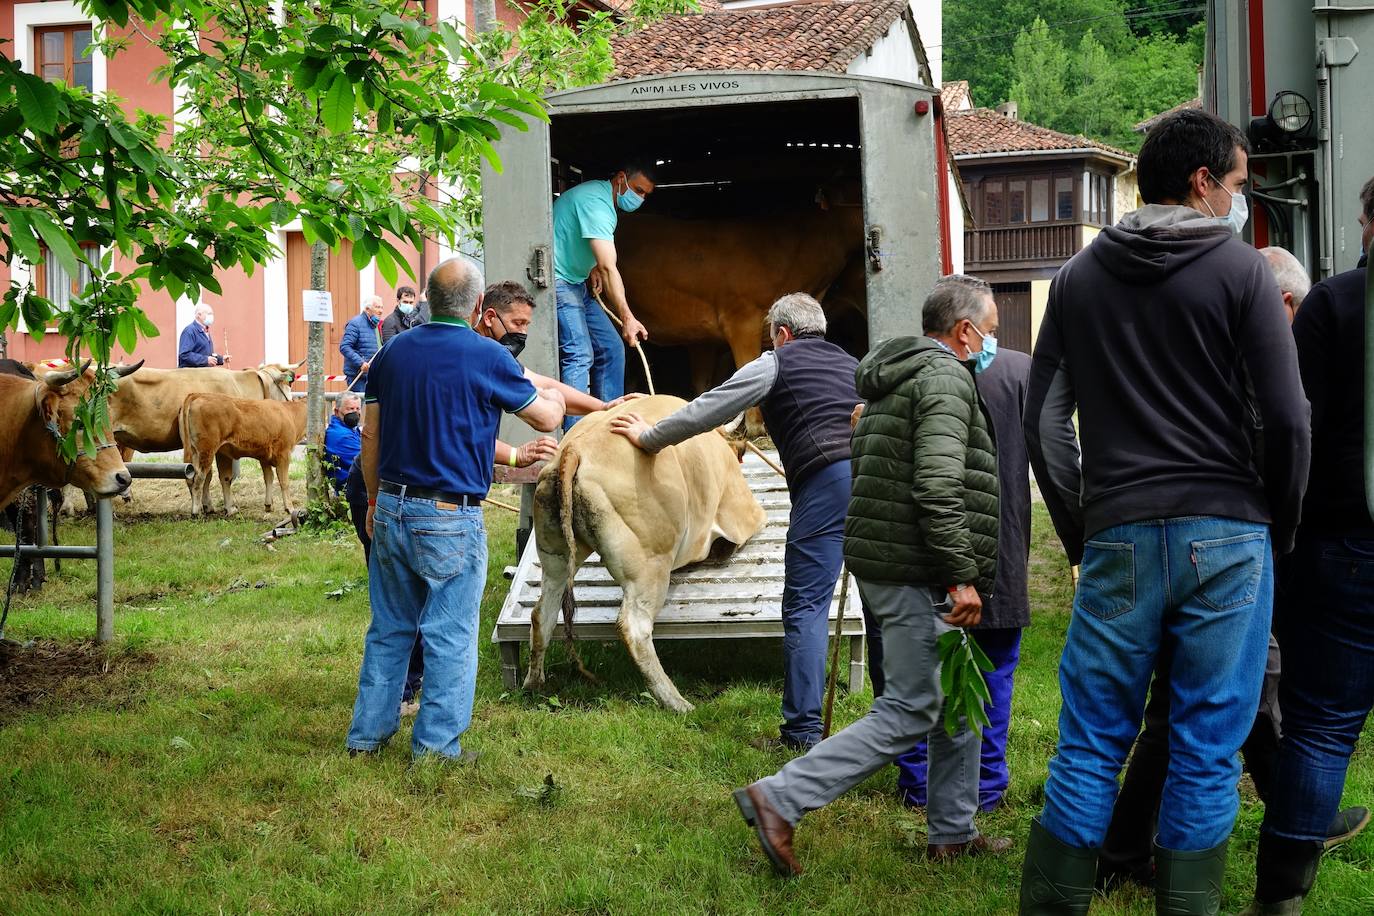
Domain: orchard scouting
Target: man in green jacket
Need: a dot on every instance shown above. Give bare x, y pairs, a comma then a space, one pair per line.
921, 538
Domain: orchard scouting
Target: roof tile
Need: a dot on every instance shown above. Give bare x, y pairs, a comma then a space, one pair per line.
825, 36
983, 130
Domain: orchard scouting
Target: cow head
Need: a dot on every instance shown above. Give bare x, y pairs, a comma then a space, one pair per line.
736, 435
55, 400
280, 376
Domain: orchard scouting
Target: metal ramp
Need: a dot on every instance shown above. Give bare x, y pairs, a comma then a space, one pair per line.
740, 598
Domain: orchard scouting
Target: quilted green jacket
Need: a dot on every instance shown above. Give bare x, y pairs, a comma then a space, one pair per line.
924, 503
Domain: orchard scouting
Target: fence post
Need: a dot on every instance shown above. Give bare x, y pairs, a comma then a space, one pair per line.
104, 566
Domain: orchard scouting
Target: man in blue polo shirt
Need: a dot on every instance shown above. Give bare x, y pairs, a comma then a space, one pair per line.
590, 355
434, 399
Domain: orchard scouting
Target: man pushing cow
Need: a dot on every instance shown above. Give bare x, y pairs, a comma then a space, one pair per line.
805, 387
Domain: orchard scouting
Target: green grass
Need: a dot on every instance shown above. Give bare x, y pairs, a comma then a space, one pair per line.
214, 778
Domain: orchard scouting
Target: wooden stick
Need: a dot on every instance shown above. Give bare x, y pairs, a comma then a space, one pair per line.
500, 505
835, 654
637, 348
766, 460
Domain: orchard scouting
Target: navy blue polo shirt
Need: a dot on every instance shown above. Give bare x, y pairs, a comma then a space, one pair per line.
441, 389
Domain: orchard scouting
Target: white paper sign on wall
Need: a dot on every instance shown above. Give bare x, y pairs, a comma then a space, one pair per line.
318, 305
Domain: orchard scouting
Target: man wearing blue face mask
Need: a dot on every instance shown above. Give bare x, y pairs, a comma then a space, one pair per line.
405, 316
591, 357
1169, 338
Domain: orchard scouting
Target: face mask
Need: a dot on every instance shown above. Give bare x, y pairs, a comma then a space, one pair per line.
372, 320
512, 341
209, 320
1239, 215
406, 307
352, 419
984, 357
628, 199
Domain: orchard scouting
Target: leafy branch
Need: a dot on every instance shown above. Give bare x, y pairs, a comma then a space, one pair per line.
962, 664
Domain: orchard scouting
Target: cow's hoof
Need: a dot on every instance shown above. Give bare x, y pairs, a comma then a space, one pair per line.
533, 684
230, 513
680, 706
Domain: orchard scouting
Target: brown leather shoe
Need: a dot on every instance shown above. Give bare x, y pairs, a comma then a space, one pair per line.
774, 833
979, 845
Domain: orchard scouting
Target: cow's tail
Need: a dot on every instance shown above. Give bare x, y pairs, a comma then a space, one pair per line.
184, 429
568, 461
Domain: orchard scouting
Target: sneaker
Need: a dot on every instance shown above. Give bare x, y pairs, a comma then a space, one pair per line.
363, 752
410, 708
1346, 826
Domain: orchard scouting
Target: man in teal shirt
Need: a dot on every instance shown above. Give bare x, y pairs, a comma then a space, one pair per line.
590, 355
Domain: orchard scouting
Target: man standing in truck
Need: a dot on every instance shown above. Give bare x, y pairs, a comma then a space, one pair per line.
590, 356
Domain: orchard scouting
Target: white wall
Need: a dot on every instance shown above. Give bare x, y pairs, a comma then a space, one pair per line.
891, 57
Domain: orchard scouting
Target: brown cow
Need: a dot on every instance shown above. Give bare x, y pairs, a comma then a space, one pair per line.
222, 428
646, 515
33, 416
694, 281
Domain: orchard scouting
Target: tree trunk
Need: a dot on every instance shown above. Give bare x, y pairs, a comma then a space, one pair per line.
483, 16
315, 489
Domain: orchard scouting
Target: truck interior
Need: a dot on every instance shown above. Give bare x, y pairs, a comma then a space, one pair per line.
724, 162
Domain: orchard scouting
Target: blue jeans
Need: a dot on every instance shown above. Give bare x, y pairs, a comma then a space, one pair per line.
1201, 588
811, 567
1003, 648
591, 355
1324, 621
425, 579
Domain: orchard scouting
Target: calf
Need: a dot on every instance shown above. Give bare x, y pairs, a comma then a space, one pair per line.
646, 515
222, 428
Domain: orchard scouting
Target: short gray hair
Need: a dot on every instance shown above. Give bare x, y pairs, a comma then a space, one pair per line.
454, 287
346, 397
799, 313
369, 301
1288, 271
954, 298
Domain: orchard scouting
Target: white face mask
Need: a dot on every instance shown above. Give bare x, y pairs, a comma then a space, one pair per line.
209, 320
1240, 211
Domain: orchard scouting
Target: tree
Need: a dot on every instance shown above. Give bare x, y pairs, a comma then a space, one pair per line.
344, 114
1094, 108
1042, 71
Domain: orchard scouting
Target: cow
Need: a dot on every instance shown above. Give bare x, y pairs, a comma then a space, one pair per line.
646, 515
700, 281
222, 428
34, 416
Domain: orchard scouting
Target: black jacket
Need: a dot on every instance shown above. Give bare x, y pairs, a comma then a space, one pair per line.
1329, 331
1170, 338
1003, 387
397, 322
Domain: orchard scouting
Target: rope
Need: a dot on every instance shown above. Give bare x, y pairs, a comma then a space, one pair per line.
636, 347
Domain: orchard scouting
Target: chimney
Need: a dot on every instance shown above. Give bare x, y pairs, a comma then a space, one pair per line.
1007, 109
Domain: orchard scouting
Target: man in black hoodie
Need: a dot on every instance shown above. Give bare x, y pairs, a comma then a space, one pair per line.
1169, 337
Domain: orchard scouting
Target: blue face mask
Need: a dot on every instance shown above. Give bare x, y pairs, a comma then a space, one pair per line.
984, 357
628, 199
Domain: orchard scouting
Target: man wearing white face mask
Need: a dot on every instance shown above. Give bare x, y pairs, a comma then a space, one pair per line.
196, 349
591, 357
405, 316
1169, 337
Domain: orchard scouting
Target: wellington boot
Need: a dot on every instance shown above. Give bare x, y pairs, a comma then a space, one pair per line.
1285, 870
1189, 883
1057, 879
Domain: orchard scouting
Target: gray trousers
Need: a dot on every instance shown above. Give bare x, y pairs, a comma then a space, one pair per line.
909, 709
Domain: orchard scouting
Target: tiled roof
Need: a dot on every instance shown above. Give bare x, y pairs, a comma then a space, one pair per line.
796, 36
983, 130
955, 95
1144, 126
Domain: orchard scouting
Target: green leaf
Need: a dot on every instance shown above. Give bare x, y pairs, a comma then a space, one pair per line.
980, 658
38, 102
385, 265
337, 109
21, 232
146, 327
59, 243
126, 331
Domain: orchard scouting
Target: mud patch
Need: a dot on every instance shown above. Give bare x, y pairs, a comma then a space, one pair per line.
47, 673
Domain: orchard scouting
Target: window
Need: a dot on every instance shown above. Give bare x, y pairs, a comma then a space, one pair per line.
56, 285
1016, 202
61, 54
1063, 196
994, 213
1040, 200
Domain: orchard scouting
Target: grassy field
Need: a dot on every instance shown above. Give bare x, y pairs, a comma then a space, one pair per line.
199, 765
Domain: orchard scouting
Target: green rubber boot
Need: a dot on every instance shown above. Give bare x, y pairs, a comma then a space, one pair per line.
1285, 871
1189, 883
1056, 880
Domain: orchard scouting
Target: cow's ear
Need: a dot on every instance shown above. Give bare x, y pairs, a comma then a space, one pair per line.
47, 408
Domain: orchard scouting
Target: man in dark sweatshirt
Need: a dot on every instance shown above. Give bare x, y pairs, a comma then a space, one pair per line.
1169, 337
1324, 610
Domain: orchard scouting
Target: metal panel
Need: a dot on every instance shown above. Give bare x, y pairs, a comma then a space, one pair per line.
1346, 41
517, 224
900, 207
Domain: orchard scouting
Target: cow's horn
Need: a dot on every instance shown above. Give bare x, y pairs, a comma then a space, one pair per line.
121, 371
58, 379
299, 364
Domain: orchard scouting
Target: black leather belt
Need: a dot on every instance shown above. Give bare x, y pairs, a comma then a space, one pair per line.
439, 496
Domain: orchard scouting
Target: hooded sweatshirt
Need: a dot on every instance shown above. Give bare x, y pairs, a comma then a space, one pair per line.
1170, 338
923, 508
